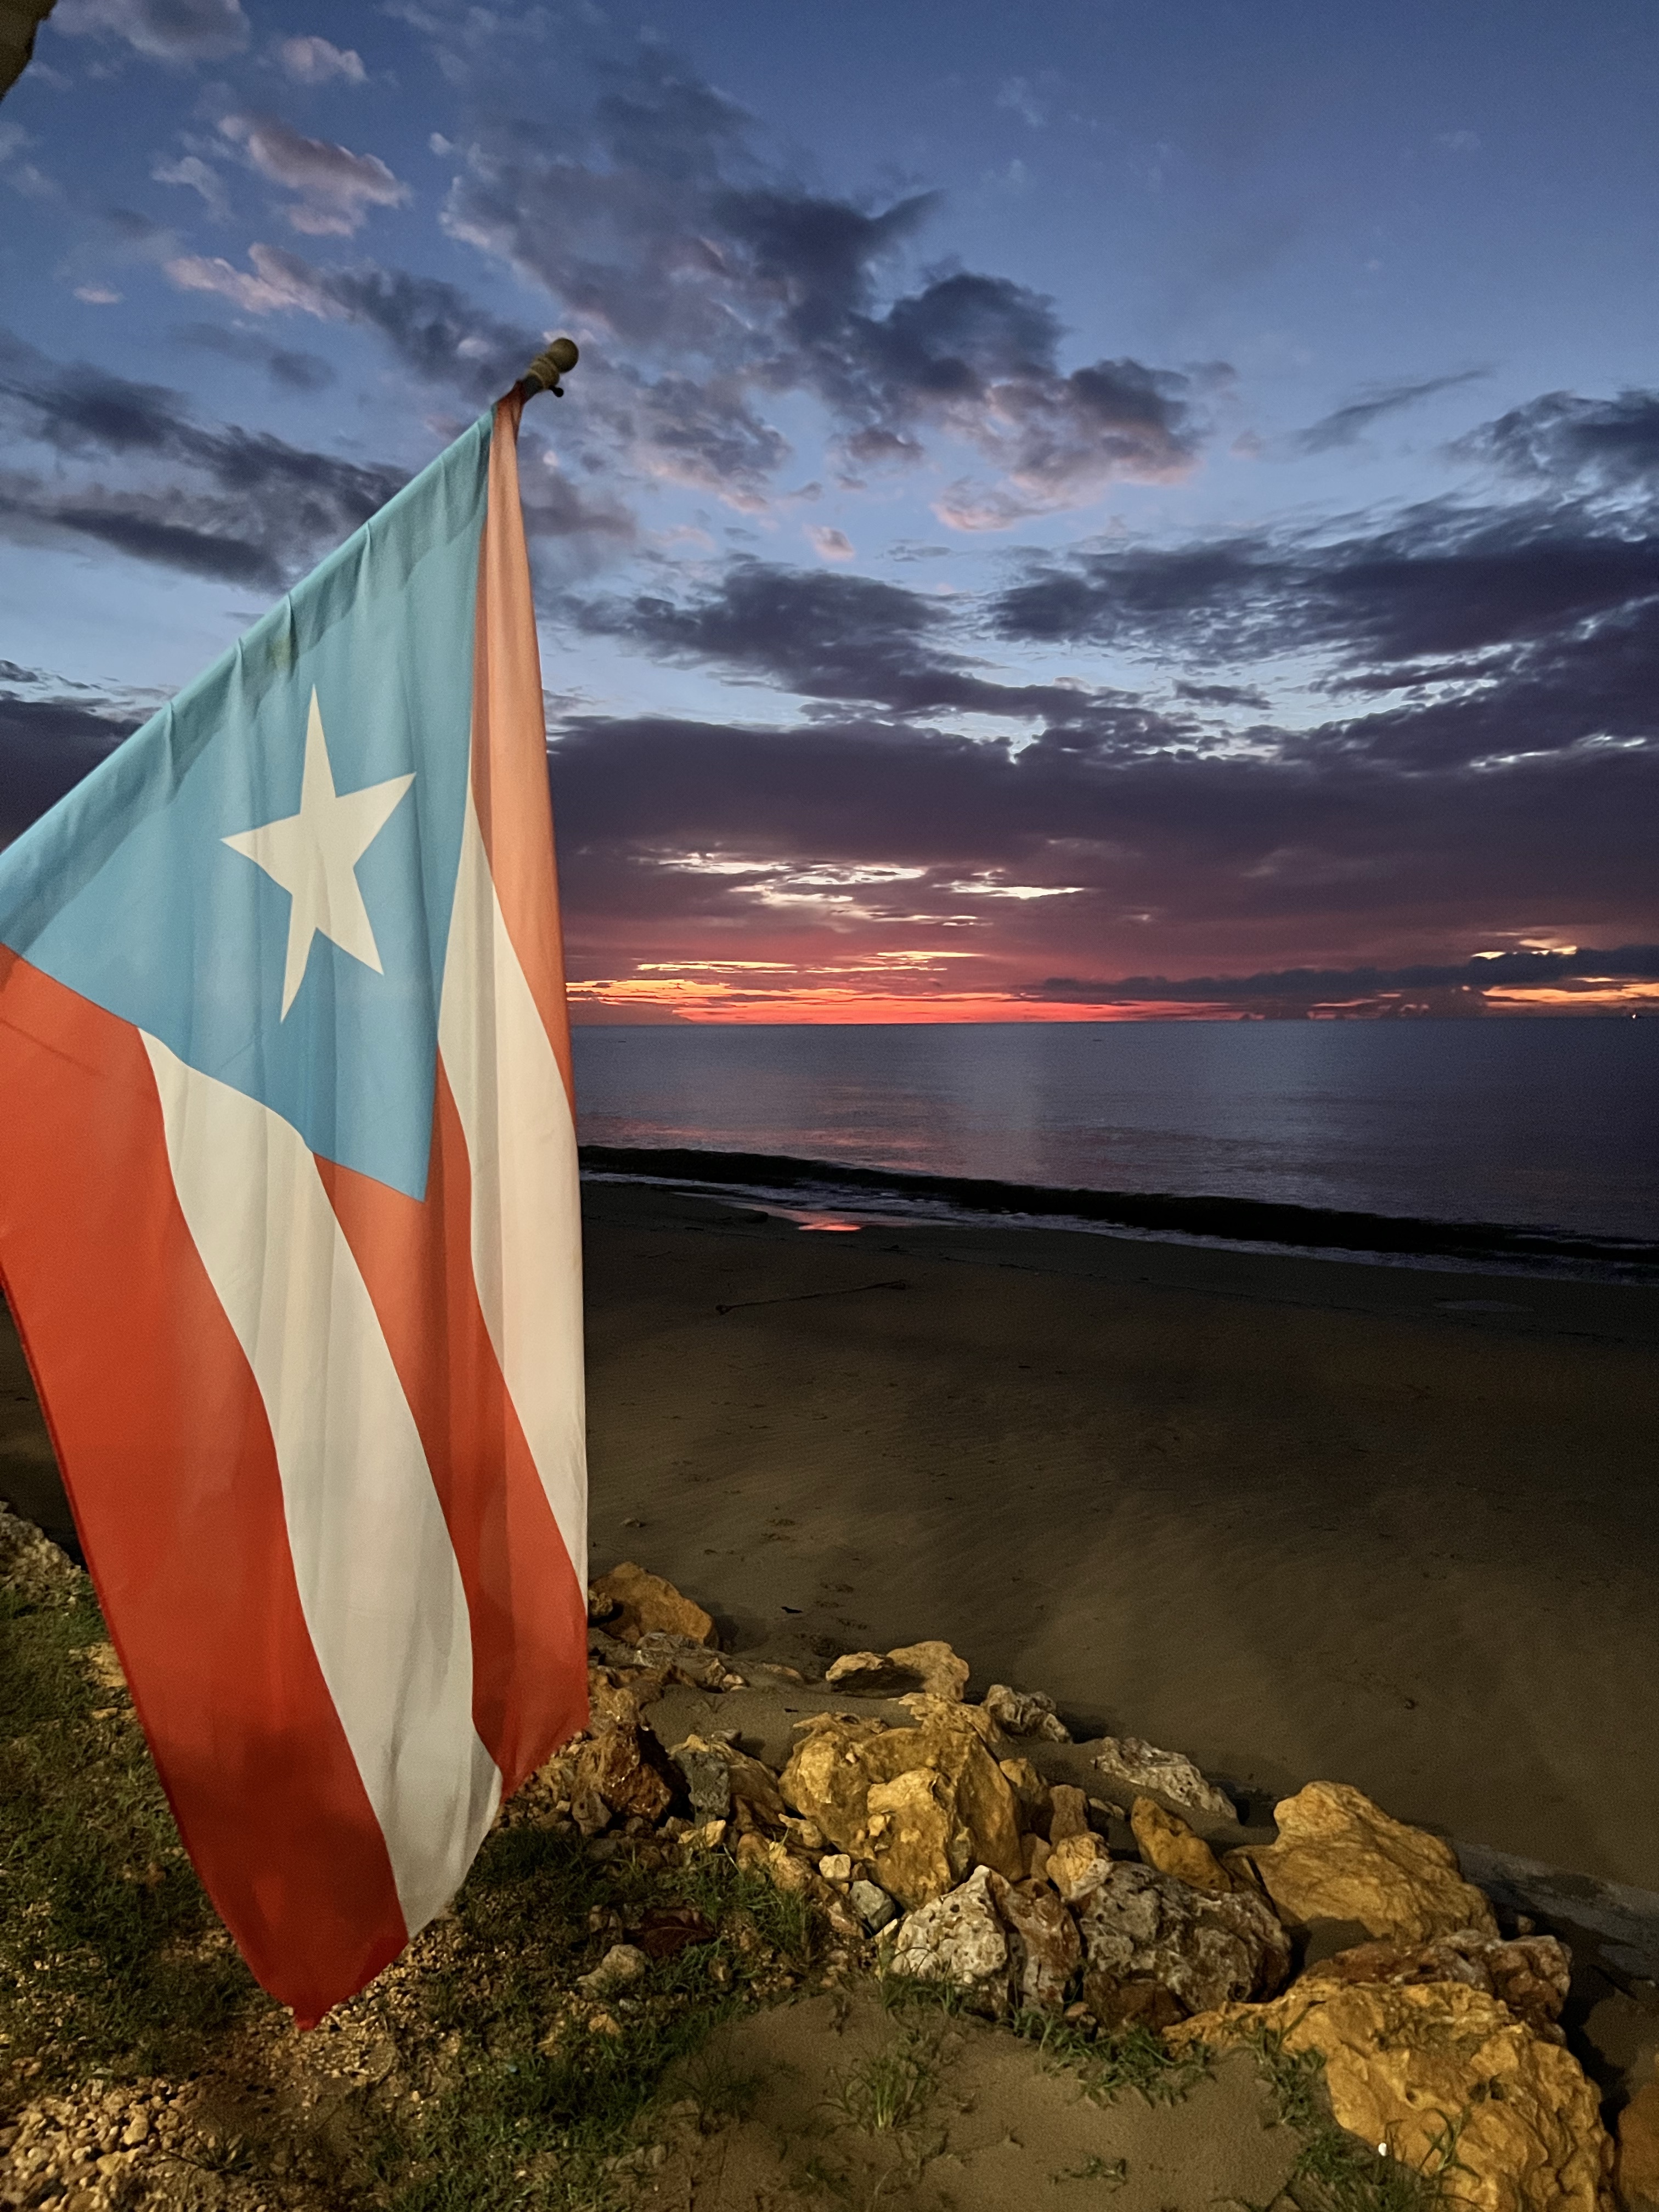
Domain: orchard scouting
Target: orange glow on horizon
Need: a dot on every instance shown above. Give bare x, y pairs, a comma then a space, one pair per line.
841, 1003
710, 998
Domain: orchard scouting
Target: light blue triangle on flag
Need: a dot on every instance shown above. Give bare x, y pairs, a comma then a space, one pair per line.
129, 893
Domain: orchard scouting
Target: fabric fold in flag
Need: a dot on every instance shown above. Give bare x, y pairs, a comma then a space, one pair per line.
289, 1227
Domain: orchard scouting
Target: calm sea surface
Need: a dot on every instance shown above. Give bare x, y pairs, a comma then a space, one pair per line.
1540, 1124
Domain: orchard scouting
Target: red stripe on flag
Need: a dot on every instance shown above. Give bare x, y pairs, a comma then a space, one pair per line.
509, 742
166, 1451
528, 1614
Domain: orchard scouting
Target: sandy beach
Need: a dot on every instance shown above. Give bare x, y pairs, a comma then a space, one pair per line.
1299, 1518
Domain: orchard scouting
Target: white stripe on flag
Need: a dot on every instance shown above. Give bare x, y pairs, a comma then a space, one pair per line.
526, 1205
377, 1579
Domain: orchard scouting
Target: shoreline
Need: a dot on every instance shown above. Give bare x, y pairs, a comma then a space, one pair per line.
901, 1195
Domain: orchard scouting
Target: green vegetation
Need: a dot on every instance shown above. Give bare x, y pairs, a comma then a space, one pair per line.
1335, 2172
1116, 2059
475, 2073
884, 2092
111, 1957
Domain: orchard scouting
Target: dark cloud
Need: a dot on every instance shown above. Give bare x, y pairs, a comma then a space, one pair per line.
286, 367
650, 219
1156, 845
1222, 695
1345, 425
212, 500
1518, 969
47, 744
1562, 439
825, 635
1505, 629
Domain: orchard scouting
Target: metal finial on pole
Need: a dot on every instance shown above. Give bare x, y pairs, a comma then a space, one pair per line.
545, 371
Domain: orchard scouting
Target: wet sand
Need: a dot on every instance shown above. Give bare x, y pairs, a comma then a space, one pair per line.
1299, 1518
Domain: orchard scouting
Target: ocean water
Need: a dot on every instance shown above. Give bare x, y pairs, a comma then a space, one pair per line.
1551, 1124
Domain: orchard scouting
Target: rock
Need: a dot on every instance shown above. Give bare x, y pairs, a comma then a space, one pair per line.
1031, 1794
1636, 2166
923, 1806
1140, 1926
1403, 2060
930, 1711
1167, 1843
873, 1905
1140, 1769
869, 1674
959, 1939
682, 1656
1068, 1813
931, 1667
1044, 1948
1025, 1712
613, 1768
631, 1603
622, 1964
836, 1867
719, 1776
1077, 1865
1531, 1975
788, 1871
707, 1777
936, 1666
32, 1568
1035, 1853
826, 1777
1341, 1857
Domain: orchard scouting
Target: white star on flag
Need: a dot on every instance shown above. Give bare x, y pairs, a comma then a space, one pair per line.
313, 856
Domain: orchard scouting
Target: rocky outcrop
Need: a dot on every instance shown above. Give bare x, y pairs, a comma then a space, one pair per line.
931, 1667
922, 1806
1033, 1799
719, 1776
629, 1603
1025, 1712
961, 1939
1416, 2066
1138, 1769
611, 1776
936, 1667
1068, 1812
1077, 1864
1169, 1844
1044, 1948
1341, 1857
1530, 1974
1140, 1926
687, 1661
1636, 2169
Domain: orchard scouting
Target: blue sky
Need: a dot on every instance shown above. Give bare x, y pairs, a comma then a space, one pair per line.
1055, 504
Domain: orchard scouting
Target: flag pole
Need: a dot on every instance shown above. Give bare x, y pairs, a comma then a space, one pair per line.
545, 371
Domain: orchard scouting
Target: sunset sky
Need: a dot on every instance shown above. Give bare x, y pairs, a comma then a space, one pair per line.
1066, 512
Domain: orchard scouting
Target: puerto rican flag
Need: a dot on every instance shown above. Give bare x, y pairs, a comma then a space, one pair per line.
289, 1224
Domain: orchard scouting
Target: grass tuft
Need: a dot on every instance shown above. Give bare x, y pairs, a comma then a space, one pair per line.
1335, 2170
111, 1956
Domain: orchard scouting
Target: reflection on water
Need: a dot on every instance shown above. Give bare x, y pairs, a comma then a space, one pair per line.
1548, 1124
